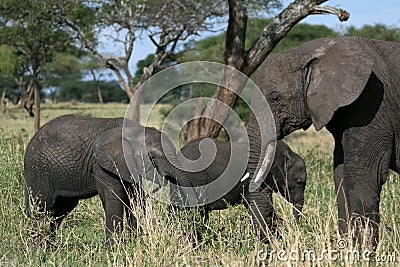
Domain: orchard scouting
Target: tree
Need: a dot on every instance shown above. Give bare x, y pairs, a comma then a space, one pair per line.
166, 23
212, 48
64, 66
13, 70
28, 27
7, 63
95, 67
248, 60
87, 91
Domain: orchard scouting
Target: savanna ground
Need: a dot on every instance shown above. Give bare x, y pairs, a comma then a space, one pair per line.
165, 240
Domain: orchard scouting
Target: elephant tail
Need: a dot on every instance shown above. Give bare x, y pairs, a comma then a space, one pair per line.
27, 202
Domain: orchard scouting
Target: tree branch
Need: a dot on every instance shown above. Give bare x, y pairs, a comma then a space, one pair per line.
281, 25
342, 14
248, 61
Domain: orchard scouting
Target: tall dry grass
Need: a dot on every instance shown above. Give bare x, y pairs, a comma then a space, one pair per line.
167, 240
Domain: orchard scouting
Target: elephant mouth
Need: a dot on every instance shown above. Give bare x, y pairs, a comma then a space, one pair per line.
288, 125
282, 131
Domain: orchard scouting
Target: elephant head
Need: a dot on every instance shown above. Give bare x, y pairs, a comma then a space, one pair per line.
135, 151
307, 84
289, 176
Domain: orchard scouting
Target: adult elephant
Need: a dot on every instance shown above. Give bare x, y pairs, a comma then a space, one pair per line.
351, 86
73, 157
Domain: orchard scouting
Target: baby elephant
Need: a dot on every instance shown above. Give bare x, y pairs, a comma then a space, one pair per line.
287, 175
73, 157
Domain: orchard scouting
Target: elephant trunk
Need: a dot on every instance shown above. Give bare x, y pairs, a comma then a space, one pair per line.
262, 212
259, 151
178, 177
262, 171
186, 189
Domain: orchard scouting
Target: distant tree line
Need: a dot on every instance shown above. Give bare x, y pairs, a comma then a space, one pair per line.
51, 48
79, 76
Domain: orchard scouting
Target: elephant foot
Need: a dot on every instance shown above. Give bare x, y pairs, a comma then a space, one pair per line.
364, 232
270, 229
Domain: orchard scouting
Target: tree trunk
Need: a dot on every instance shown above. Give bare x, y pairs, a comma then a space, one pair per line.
3, 101
133, 112
28, 101
197, 113
99, 95
36, 123
22, 94
234, 55
248, 61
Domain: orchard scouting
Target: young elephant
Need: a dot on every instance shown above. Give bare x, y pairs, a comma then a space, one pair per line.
73, 157
287, 175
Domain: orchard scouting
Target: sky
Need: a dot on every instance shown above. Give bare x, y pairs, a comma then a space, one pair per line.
361, 12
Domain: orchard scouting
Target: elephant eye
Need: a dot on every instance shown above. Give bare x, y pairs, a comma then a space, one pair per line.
275, 97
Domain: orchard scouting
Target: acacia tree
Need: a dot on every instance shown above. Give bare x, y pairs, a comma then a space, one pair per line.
64, 66
95, 67
13, 71
7, 63
247, 61
27, 27
166, 22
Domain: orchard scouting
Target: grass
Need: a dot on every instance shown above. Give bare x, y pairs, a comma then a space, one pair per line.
165, 240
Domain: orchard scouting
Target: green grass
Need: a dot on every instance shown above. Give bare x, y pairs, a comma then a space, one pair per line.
167, 240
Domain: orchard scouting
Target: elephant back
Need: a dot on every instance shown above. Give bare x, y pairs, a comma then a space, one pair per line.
58, 159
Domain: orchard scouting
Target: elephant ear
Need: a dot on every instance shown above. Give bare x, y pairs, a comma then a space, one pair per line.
108, 152
336, 75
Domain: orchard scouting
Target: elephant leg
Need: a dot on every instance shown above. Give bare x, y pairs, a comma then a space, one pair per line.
175, 199
365, 170
203, 216
262, 211
60, 209
338, 178
138, 196
114, 211
114, 197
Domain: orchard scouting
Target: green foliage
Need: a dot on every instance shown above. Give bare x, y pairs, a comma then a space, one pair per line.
42, 47
7, 60
303, 32
8, 63
28, 26
86, 91
63, 64
209, 48
377, 31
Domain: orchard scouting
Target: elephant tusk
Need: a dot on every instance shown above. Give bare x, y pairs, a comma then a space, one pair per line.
269, 156
247, 175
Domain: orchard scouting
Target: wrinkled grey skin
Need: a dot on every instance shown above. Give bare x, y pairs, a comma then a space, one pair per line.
351, 86
287, 176
73, 157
